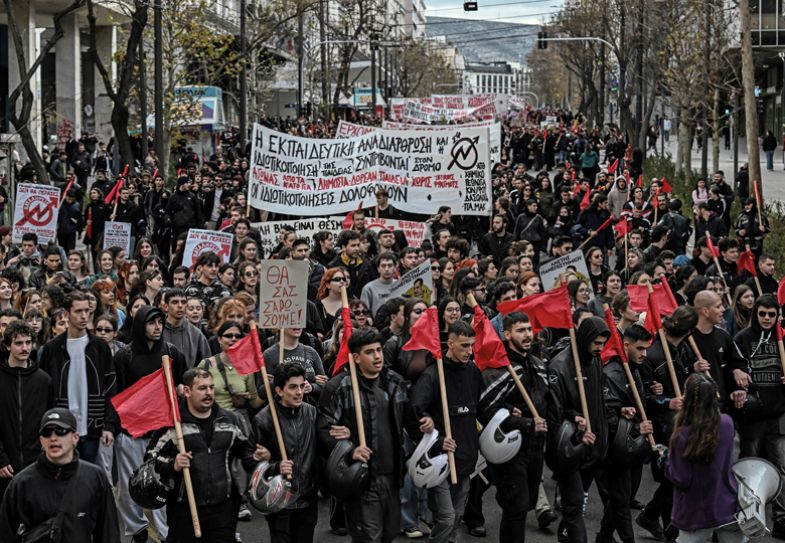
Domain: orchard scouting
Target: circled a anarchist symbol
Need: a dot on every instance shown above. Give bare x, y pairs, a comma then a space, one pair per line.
464, 154
37, 210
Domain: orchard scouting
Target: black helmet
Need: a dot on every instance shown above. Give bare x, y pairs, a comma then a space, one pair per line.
571, 452
345, 478
630, 447
269, 493
146, 487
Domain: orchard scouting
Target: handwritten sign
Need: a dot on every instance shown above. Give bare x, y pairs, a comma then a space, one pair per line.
283, 293
415, 232
35, 210
118, 234
203, 241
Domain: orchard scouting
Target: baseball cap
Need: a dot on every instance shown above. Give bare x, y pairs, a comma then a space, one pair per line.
59, 417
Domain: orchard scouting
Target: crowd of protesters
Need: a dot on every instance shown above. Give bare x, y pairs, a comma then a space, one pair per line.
81, 324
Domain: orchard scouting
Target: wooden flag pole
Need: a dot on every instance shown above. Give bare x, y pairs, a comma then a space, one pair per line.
754, 275
178, 430
697, 352
758, 201
579, 377
446, 417
358, 410
587, 240
722, 277
269, 391
518, 383
667, 351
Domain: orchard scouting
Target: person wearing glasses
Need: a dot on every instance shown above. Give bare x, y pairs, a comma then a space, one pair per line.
329, 295
141, 357
38, 493
235, 393
26, 390
248, 279
761, 416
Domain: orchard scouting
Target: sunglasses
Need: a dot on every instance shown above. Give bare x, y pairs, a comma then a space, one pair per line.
767, 314
251, 274
338, 280
47, 432
104, 330
435, 268
232, 336
361, 312
418, 311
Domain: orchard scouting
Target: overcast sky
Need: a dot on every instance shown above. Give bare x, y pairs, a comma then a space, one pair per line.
528, 11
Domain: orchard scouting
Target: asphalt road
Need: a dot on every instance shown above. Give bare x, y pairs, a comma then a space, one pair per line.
256, 530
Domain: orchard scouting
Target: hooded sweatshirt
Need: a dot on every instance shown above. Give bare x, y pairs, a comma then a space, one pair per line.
765, 399
564, 401
189, 340
617, 197
137, 359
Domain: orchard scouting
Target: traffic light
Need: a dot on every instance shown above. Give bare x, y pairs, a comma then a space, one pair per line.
542, 38
470, 6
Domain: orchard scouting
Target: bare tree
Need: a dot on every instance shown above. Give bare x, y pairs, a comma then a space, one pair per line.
20, 117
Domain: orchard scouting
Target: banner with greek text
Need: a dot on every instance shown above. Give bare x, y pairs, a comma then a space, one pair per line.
349, 130
202, 241
415, 232
118, 234
422, 171
270, 231
35, 210
494, 133
283, 293
571, 263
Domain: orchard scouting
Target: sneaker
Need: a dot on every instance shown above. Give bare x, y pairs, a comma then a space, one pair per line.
478, 531
244, 513
546, 518
339, 531
413, 533
651, 525
237, 537
140, 537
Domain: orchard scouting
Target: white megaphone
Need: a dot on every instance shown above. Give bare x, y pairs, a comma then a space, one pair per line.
759, 483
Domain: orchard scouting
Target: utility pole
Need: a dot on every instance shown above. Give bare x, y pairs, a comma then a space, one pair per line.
705, 116
143, 100
750, 106
323, 55
158, 93
300, 59
243, 78
734, 123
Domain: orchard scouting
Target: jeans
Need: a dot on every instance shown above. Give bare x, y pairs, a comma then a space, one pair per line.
130, 455
375, 517
294, 525
447, 503
88, 449
729, 534
411, 498
769, 160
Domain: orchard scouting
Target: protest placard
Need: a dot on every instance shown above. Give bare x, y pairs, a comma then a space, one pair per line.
35, 210
202, 241
415, 232
573, 262
283, 293
269, 231
118, 234
416, 283
422, 171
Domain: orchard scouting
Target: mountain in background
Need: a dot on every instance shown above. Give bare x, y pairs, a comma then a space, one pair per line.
487, 50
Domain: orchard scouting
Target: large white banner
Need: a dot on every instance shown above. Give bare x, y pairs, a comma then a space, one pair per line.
270, 231
422, 171
415, 232
494, 133
35, 210
349, 130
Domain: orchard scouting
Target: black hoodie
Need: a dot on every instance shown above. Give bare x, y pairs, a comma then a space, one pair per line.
25, 395
136, 360
563, 399
766, 398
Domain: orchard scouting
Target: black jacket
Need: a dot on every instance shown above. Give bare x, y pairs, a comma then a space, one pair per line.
564, 401
101, 380
495, 246
210, 464
361, 271
35, 493
766, 396
298, 429
132, 213
655, 369
184, 210
463, 383
25, 395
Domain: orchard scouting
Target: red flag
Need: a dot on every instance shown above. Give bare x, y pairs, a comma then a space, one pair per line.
639, 297
639, 181
547, 309
68, 186
757, 195
576, 188
780, 331
90, 223
425, 334
343, 352
567, 165
114, 194
653, 318
489, 351
348, 221
671, 299
747, 262
656, 195
125, 171
665, 185
145, 406
781, 292
622, 227
614, 346
605, 225
246, 354
612, 167
710, 244
586, 201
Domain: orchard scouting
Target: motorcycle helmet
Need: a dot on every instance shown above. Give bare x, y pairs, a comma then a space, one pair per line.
268, 493
346, 478
427, 470
630, 447
496, 445
146, 487
570, 451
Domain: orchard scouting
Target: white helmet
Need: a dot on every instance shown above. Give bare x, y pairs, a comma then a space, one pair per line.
497, 446
425, 469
